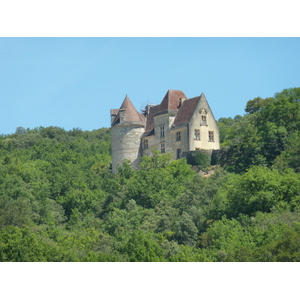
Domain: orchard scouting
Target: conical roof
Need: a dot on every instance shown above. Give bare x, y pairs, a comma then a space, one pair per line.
131, 114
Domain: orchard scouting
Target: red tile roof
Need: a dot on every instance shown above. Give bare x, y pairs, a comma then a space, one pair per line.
150, 120
169, 103
171, 100
186, 110
131, 114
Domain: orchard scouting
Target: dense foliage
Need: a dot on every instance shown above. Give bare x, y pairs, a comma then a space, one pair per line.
59, 200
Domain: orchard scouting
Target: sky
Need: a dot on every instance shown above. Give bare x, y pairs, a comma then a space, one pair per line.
74, 82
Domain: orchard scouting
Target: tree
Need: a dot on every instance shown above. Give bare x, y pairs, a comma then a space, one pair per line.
284, 249
141, 247
201, 159
257, 104
244, 150
259, 189
185, 230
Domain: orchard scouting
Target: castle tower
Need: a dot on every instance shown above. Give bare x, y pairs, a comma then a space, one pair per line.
127, 128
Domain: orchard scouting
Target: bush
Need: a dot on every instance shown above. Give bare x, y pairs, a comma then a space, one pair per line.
200, 158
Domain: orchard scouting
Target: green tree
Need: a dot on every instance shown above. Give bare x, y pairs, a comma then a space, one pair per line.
257, 104
141, 247
185, 230
259, 189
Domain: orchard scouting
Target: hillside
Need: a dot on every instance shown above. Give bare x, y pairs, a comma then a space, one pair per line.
60, 201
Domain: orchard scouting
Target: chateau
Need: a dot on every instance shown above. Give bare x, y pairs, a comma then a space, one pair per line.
177, 125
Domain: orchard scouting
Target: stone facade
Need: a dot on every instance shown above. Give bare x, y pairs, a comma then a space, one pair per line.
126, 144
177, 125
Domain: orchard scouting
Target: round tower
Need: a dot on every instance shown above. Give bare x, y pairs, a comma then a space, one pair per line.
127, 128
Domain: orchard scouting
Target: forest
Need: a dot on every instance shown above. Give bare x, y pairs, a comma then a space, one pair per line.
60, 201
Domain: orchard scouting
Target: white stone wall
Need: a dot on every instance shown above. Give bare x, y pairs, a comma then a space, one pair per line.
126, 144
162, 120
155, 141
152, 144
187, 141
195, 123
169, 139
183, 144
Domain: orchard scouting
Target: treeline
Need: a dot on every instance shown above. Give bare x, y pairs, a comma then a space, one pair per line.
269, 134
59, 200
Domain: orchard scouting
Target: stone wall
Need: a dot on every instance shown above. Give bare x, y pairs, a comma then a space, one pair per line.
211, 125
155, 141
183, 144
128, 140
126, 144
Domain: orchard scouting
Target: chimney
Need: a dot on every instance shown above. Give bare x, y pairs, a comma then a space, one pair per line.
181, 100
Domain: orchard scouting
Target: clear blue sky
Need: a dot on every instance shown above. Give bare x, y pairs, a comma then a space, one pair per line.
74, 82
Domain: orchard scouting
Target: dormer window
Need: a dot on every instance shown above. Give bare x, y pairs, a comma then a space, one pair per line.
122, 115
203, 121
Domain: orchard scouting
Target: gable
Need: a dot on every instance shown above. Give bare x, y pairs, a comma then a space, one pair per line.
202, 109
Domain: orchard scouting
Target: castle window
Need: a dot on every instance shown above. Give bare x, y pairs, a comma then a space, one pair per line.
203, 121
163, 148
178, 153
146, 144
162, 131
211, 136
178, 136
197, 134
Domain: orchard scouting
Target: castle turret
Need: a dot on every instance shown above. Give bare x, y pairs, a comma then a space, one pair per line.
127, 128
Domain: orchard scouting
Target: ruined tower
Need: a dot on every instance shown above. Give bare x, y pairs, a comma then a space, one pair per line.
127, 128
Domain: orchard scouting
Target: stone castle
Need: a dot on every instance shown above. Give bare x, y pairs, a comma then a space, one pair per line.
177, 125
